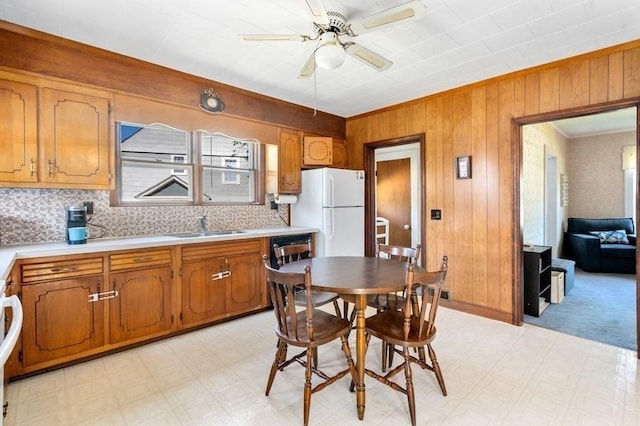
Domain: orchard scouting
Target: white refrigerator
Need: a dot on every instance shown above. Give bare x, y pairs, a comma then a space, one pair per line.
333, 201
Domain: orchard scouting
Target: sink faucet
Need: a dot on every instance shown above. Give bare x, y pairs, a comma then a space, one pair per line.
202, 221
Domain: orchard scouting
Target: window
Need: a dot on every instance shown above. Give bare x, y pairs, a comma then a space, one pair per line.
147, 167
179, 159
160, 165
230, 177
229, 168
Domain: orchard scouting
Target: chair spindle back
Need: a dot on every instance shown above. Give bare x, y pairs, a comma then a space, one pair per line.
283, 287
404, 254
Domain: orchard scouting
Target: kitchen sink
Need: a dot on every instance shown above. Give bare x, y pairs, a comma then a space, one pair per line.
208, 233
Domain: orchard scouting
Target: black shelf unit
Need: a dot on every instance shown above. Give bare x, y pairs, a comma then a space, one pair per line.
537, 279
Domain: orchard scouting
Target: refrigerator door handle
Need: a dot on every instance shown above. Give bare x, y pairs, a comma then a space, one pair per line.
331, 192
329, 228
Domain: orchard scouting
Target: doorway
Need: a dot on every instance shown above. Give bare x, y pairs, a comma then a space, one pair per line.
394, 182
564, 198
397, 191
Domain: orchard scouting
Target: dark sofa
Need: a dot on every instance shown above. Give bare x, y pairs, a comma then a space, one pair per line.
595, 246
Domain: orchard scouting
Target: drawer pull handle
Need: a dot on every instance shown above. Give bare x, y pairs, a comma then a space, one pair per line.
31, 168
71, 268
220, 275
96, 297
143, 259
51, 165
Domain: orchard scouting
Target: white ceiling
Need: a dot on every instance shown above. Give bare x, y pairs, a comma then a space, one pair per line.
621, 120
457, 42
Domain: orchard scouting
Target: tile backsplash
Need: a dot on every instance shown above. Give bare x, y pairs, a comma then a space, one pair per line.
38, 215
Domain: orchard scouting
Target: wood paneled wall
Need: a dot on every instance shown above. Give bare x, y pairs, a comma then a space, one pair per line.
50, 56
478, 230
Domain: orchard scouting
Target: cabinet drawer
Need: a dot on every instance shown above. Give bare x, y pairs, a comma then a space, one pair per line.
47, 271
138, 259
226, 248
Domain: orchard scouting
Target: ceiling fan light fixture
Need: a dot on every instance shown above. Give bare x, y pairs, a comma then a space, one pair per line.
330, 54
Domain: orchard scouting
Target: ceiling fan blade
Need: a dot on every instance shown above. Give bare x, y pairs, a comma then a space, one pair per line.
317, 11
368, 57
273, 37
401, 13
309, 67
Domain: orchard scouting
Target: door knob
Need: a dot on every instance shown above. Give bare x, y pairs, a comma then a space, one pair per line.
406, 226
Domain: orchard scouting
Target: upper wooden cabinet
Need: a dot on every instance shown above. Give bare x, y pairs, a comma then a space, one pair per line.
18, 132
289, 162
61, 140
322, 151
75, 139
317, 151
339, 154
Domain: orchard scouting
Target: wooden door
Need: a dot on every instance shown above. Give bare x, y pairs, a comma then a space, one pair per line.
75, 138
393, 196
59, 319
244, 285
289, 163
18, 132
203, 298
142, 306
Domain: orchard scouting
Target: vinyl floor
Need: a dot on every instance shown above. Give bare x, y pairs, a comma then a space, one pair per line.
496, 374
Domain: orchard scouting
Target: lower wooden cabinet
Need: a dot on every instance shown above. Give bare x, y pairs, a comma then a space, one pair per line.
142, 306
203, 299
81, 306
60, 317
221, 280
140, 297
245, 288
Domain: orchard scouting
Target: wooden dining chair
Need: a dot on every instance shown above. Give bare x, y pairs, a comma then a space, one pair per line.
293, 252
308, 329
395, 301
387, 301
412, 327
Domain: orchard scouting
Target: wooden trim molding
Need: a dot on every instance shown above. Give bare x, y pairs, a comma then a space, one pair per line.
44, 54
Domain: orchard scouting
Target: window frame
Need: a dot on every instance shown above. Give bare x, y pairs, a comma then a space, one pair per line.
193, 167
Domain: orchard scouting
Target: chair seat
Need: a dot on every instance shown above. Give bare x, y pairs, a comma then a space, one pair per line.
388, 325
384, 302
326, 327
318, 298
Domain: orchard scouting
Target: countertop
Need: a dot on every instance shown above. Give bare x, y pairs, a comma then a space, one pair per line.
9, 253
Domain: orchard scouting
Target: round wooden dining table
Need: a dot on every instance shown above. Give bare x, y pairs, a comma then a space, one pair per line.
359, 276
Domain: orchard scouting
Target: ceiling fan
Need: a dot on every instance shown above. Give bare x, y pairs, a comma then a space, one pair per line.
330, 25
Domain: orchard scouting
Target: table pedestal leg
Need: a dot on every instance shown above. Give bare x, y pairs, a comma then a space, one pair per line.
361, 304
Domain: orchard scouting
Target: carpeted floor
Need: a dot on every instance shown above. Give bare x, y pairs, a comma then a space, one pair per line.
600, 307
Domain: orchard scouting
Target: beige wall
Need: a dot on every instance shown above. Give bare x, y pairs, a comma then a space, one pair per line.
539, 143
596, 179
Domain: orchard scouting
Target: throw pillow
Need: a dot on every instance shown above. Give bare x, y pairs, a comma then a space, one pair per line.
612, 237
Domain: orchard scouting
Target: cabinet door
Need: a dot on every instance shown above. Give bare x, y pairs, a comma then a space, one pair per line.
245, 283
75, 139
142, 306
18, 132
317, 151
59, 319
289, 163
339, 154
203, 297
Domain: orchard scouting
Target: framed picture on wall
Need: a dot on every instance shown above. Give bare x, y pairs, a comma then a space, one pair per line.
463, 167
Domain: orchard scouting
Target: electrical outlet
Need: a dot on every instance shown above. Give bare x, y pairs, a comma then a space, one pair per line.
89, 206
444, 294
